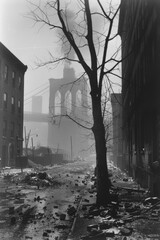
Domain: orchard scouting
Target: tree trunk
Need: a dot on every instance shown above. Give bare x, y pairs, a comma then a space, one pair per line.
103, 181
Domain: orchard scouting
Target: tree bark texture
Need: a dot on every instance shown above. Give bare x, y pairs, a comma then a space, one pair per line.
103, 181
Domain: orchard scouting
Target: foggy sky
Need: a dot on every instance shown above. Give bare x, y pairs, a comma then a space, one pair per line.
29, 43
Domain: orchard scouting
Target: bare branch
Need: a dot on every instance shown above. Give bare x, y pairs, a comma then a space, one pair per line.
105, 14
70, 38
89, 37
110, 39
104, 57
116, 75
42, 17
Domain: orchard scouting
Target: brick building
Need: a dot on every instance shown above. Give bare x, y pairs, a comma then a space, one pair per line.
140, 33
12, 72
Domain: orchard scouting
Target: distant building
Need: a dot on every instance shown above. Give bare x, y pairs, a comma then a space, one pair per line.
140, 33
116, 100
12, 72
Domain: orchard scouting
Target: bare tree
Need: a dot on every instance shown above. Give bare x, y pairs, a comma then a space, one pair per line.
86, 29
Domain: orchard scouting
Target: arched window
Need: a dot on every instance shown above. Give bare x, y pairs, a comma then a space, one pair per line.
57, 103
78, 98
68, 102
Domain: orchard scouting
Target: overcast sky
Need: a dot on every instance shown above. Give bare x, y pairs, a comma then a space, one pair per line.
28, 43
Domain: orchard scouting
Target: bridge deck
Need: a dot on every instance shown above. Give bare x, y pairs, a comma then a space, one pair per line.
36, 117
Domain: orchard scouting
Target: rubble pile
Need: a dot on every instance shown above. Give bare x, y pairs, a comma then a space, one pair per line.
116, 219
39, 179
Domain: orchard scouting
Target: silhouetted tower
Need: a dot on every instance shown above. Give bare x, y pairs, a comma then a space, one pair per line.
68, 97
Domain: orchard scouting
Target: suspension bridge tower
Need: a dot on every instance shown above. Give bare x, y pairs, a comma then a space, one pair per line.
68, 110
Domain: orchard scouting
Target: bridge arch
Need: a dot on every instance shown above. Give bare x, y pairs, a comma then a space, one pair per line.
78, 98
68, 102
57, 103
71, 96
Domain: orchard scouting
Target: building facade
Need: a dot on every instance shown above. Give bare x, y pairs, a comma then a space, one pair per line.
140, 34
12, 72
116, 99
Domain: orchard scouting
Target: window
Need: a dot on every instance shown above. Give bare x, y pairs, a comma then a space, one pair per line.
13, 79
12, 100
19, 82
57, 103
4, 128
12, 104
68, 102
6, 73
5, 97
5, 100
12, 129
19, 106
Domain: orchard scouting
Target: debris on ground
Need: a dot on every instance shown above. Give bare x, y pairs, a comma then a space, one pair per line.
121, 219
132, 213
39, 179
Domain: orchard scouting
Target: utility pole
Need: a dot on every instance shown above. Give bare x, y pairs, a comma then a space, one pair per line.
27, 137
32, 148
71, 148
